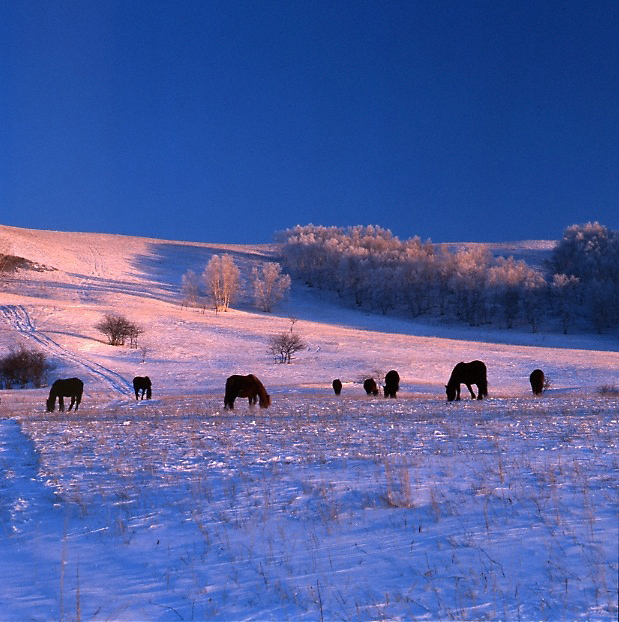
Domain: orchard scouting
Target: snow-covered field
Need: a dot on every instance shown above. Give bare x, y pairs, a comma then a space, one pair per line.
318, 508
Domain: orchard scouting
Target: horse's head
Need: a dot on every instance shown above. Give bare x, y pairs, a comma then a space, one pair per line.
50, 404
451, 392
264, 400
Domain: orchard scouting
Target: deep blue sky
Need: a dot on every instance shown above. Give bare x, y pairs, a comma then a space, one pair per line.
225, 121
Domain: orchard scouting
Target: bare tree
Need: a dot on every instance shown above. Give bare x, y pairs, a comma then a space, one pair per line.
284, 345
270, 285
221, 277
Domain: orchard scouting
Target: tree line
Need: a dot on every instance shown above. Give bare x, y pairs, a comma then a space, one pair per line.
369, 267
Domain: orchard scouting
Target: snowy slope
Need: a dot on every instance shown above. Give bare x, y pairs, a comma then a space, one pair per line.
319, 508
190, 352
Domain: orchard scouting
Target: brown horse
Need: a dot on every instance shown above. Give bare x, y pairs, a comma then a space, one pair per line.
337, 386
369, 384
392, 383
246, 386
468, 373
537, 381
65, 387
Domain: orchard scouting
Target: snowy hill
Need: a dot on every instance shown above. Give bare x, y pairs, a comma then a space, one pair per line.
349, 508
192, 352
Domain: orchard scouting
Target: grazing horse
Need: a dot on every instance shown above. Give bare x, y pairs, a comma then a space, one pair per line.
142, 386
468, 374
67, 387
246, 386
537, 381
392, 383
369, 384
337, 386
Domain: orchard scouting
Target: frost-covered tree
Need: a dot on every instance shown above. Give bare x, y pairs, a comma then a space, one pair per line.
270, 285
517, 289
566, 295
221, 279
469, 283
590, 254
190, 289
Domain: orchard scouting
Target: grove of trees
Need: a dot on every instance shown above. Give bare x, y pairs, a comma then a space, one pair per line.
220, 284
368, 266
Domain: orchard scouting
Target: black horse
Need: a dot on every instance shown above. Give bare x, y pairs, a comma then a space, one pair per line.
537, 379
369, 384
392, 383
67, 387
468, 374
142, 386
337, 386
246, 386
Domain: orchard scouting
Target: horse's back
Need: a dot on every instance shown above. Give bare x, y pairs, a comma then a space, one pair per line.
473, 370
68, 386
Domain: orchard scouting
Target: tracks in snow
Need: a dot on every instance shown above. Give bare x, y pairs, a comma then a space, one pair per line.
18, 318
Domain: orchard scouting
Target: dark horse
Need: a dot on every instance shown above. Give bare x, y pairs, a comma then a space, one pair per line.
337, 386
392, 383
67, 387
142, 386
246, 386
468, 374
537, 381
369, 384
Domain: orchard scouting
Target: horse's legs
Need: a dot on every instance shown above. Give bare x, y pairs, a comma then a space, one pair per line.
457, 393
470, 388
60, 403
72, 402
78, 399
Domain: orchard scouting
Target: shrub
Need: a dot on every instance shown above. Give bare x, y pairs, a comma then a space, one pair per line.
609, 390
23, 366
118, 329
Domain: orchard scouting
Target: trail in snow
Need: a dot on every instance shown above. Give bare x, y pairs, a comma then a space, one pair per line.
18, 318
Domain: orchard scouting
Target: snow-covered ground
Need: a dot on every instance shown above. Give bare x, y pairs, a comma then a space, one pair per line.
319, 507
